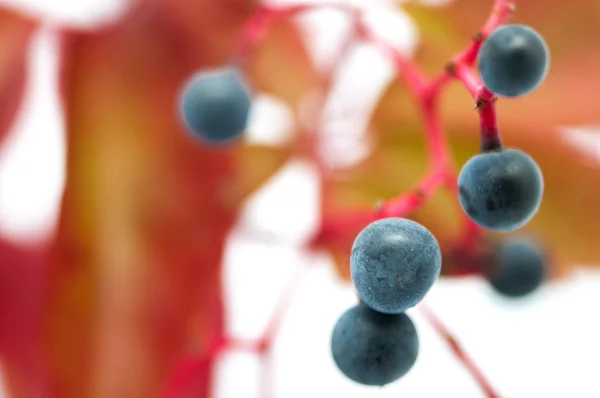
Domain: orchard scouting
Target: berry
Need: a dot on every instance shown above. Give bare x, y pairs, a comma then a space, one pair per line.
520, 268
394, 262
215, 104
501, 191
513, 61
372, 348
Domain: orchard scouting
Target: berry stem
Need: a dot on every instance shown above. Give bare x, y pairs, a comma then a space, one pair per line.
406, 70
411, 201
270, 333
458, 351
253, 32
437, 146
485, 105
490, 135
467, 77
501, 12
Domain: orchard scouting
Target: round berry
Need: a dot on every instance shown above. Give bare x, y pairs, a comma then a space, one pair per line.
513, 61
521, 267
215, 105
372, 348
394, 262
501, 191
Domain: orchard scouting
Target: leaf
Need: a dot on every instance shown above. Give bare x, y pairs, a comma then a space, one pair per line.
144, 217
21, 286
15, 33
132, 282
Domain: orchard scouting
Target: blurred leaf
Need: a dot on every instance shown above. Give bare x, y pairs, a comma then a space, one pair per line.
21, 287
132, 284
15, 33
256, 163
144, 217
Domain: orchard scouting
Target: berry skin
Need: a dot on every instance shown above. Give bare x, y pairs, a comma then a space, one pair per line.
394, 262
215, 105
520, 269
513, 61
372, 348
501, 191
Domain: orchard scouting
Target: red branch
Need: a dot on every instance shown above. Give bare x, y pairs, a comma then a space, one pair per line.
405, 68
458, 351
409, 202
485, 104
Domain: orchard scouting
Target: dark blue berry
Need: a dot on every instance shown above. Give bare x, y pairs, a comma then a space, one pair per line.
372, 348
394, 262
215, 105
501, 191
513, 61
520, 268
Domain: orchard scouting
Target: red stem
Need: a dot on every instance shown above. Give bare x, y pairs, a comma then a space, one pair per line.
437, 146
468, 78
490, 135
283, 304
411, 201
501, 12
414, 79
458, 351
485, 104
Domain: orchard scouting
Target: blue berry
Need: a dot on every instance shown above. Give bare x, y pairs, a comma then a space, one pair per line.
520, 268
394, 262
372, 348
215, 105
513, 61
501, 191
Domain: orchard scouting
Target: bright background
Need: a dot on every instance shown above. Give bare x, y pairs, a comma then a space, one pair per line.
544, 346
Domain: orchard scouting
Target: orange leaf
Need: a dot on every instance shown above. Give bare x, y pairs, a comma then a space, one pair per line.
15, 33
137, 253
133, 276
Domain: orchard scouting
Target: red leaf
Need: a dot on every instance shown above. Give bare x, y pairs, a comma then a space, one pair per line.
15, 32
21, 282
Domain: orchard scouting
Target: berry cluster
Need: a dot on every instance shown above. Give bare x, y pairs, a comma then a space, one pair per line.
395, 261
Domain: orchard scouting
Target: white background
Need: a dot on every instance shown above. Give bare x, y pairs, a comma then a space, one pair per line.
544, 346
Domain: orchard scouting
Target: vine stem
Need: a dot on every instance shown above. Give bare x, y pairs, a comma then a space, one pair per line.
411, 201
458, 351
485, 104
501, 12
414, 79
